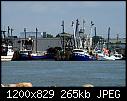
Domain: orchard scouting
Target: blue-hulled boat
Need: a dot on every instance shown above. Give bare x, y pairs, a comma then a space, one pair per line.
81, 55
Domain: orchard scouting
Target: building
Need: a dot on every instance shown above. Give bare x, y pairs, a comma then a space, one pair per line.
42, 43
30, 34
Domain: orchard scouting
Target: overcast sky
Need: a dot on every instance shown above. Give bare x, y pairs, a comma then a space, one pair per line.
47, 16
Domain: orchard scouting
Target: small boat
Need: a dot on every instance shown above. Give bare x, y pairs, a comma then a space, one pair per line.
29, 55
81, 55
117, 56
7, 53
102, 55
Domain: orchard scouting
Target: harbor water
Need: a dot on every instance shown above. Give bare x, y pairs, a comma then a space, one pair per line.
65, 73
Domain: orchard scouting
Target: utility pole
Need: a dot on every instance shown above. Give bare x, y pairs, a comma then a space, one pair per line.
8, 31
36, 39
11, 31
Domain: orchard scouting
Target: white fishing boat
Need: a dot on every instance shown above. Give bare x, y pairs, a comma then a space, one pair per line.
101, 55
105, 56
7, 53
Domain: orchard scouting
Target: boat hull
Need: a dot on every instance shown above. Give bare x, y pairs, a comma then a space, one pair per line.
82, 57
40, 57
6, 58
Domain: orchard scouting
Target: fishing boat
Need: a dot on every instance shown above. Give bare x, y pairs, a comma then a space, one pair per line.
7, 53
29, 55
81, 55
104, 55
24, 55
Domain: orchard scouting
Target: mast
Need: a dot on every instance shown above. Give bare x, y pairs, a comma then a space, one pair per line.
63, 36
95, 38
91, 27
74, 35
11, 36
108, 38
25, 36
83, 34
90, 36
83, 27
80, 42
77, 32
63, 25
95, 31
117, 37
25, 32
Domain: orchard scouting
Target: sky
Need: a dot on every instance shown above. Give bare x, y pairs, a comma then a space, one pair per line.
47, 16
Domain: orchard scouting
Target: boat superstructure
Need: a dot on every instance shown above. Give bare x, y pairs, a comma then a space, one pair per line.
7, 53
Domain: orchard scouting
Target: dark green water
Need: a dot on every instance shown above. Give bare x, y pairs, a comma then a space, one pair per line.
65, 73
